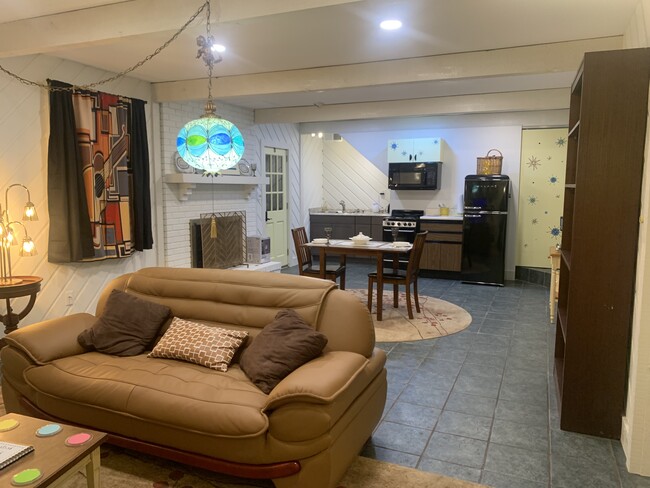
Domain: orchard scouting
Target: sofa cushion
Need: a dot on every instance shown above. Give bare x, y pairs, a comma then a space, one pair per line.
126, 327
212, 347
284, 345
160, 392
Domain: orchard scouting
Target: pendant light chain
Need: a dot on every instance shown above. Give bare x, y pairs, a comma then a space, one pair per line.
121, 74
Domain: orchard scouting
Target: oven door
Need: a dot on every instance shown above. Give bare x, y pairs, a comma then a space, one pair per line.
406, 235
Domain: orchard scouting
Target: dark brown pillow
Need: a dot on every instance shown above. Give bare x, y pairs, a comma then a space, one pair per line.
284, 345
126, 327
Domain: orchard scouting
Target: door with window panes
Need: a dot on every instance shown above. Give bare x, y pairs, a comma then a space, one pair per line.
277, 216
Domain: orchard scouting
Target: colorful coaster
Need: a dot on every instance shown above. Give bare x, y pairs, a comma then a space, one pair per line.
78, 439
48, 430
26, 477
8, 424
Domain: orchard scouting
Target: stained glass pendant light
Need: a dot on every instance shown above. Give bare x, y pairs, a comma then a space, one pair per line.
210, 143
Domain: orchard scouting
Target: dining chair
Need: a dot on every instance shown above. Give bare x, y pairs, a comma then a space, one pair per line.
305, 265
408, 278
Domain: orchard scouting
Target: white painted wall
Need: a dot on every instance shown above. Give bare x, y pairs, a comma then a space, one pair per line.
24, 132
635, 433
348, 176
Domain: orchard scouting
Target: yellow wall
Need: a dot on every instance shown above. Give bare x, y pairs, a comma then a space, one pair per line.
541, 194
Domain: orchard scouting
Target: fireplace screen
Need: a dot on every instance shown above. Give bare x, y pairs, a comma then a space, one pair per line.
228, 249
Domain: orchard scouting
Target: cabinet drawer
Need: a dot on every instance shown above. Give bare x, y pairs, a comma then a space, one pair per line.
441, 227
444, 237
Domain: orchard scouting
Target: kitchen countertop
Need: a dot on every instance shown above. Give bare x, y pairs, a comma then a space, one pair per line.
441, 217
367, 213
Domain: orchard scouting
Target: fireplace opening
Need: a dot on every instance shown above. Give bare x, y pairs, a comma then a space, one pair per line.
227, 249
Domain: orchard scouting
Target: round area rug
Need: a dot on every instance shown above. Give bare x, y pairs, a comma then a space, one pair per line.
437, 318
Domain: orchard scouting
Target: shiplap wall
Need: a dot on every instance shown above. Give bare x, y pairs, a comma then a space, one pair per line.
349, 176
24, 132
635, 432
177, 213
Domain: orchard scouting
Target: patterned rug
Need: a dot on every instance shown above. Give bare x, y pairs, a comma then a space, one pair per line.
437, 318
122, 468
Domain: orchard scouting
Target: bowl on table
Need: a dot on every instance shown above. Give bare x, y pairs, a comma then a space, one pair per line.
360, 239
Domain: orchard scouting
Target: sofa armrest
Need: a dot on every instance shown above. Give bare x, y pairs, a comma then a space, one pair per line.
325, 378
51, 339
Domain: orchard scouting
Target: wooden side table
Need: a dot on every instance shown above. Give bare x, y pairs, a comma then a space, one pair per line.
554, 256
29, 286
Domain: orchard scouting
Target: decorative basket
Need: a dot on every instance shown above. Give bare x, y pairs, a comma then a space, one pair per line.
490, 164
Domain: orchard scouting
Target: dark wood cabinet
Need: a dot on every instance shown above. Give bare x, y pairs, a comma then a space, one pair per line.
346, 226
342, 226
604, 169
443, 245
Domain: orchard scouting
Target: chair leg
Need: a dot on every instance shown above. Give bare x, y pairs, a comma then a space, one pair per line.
408, 300
342, 281
395, 295
417, 299
370, 295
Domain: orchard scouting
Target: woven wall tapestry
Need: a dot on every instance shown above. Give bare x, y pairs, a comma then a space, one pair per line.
99, 152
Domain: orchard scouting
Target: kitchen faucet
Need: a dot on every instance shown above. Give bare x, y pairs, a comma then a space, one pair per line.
342, 203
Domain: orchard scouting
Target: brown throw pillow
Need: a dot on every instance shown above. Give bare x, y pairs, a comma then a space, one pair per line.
126, 327
212, 347
284, 345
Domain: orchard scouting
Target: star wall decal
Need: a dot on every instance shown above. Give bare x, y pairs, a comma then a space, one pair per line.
533, 163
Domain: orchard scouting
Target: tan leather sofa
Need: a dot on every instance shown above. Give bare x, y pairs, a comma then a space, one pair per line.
305, 433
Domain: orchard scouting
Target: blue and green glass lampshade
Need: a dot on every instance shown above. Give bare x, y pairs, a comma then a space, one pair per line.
210, 144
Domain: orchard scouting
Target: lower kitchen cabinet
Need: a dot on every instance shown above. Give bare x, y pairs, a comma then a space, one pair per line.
343, 226
443, 246
346, 226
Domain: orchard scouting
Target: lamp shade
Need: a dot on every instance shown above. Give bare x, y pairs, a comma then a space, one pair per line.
210, 144
29, 213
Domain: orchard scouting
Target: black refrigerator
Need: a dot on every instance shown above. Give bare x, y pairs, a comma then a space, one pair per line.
485, 216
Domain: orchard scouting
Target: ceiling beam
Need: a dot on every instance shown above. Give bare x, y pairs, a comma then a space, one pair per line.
81, 28
552, 99
545, 58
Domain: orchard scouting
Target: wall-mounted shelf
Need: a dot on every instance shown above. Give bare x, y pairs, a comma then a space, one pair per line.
187, 181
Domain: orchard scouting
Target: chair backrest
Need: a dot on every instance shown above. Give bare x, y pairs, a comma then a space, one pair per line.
303, 254
415, 255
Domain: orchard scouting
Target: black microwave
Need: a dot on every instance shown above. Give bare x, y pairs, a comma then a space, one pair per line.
414, 176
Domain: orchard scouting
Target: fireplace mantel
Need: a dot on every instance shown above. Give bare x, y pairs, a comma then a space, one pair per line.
187, 182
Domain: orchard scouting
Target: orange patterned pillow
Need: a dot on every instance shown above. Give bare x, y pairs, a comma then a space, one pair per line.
208, 346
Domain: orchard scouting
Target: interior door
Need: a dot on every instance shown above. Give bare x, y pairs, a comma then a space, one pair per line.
277, 215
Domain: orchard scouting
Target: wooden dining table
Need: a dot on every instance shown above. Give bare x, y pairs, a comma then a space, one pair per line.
378, 249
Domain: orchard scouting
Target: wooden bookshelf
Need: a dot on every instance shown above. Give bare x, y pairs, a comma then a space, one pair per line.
605, 153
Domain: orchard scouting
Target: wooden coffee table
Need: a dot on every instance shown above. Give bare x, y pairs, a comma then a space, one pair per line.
57, 461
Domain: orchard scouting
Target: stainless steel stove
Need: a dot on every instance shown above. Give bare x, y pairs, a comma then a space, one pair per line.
402, 225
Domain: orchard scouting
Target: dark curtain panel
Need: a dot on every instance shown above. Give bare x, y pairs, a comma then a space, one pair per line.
70, 237
142, 234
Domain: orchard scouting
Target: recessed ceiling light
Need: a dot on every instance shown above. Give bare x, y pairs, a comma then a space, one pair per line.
390, 24
218, 48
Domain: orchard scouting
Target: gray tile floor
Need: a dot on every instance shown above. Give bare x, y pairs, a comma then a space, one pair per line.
480, 404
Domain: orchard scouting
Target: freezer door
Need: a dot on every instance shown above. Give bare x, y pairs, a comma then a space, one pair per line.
487, 193
484, 248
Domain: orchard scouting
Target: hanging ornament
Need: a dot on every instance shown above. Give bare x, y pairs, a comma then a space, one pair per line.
210, 143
